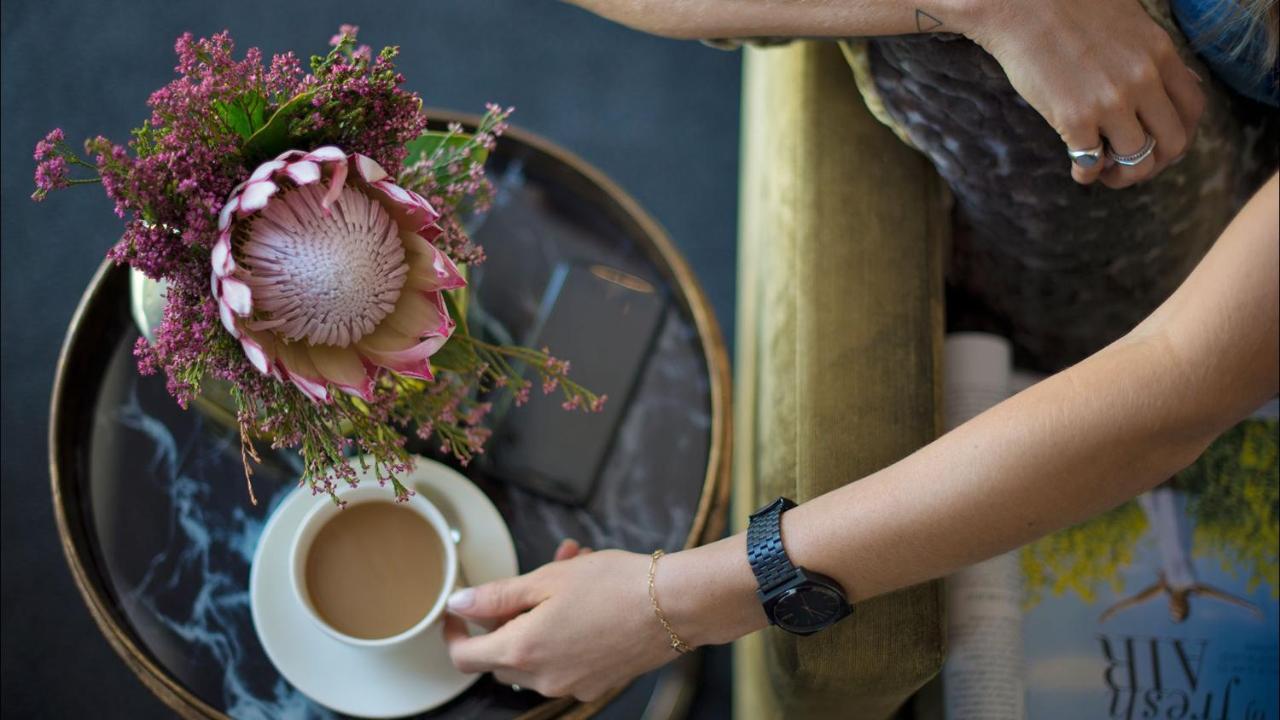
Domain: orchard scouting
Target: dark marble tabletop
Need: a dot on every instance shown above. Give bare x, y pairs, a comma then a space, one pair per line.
175, 531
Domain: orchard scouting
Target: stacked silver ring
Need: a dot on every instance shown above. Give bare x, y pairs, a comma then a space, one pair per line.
1133, 158
1086, 158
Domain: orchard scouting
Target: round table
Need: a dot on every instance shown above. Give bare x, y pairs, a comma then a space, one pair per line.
157, 526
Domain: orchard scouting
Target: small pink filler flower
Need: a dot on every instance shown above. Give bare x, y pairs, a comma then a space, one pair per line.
325, 271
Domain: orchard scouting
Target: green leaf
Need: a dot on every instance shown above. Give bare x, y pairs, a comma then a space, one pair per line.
272, 137
426, 144
243, 115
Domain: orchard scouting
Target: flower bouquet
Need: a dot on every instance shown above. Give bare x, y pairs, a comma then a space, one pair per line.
307, 228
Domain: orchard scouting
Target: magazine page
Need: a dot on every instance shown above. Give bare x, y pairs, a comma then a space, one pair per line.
1165, 607
982, 677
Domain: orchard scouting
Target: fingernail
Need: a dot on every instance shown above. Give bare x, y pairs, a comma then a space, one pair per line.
462, 599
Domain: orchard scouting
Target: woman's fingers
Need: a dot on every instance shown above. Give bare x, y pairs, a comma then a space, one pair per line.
475, 654
1159, 117
517, 679
1096, 67
1183, 87
589, 626
456, 639
1084, 137
496, 600
455, 628
1160, 98
569, 548
1125, 135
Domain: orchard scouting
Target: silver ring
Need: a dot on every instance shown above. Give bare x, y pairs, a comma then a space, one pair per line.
1133, 158
1086, 158
516, 687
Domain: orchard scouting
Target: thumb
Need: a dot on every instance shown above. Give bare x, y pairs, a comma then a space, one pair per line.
500, 599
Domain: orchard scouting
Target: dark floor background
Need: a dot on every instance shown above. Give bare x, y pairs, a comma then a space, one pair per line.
659, 116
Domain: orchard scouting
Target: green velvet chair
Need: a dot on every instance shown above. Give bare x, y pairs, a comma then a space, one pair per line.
840, 322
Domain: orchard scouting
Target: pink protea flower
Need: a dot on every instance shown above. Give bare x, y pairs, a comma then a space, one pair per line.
325, 271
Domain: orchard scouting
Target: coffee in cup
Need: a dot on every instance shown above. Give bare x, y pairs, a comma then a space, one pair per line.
376, 572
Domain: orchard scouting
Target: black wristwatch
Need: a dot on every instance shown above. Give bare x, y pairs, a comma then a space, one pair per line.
797, 600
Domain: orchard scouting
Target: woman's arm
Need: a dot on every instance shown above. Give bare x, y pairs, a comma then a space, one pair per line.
1091, 68
781, 18
1077, 443
1074, 445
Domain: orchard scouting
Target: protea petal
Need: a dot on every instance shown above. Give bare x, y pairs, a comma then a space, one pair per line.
445, 325
336, 182
430, 232
303, 172
327, 154
439, 270
415, 244
434, 269
224, 216
220, 256
344, 368
410, 209
424, 326
236, 295
228, 319
412, 361
447, 272
255, 195
370, 171
260, 349
412, 316
422, 276
388, 339
264, 171
301, 371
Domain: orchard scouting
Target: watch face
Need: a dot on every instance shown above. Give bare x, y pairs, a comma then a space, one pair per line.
808, 608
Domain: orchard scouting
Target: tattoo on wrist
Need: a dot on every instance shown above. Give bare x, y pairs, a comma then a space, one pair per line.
926, 22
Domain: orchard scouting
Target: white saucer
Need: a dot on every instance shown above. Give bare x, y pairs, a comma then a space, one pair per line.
374, 683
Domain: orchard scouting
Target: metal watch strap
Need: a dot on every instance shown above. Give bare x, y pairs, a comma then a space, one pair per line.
765, 554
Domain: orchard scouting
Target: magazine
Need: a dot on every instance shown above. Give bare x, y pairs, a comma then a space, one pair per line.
1164, 607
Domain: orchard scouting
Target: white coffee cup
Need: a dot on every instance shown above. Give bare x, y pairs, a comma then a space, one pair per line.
324, 511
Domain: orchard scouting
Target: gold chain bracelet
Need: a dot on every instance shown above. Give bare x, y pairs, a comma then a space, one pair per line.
677, 644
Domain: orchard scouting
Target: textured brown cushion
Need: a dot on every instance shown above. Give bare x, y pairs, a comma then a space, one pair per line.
1059, 268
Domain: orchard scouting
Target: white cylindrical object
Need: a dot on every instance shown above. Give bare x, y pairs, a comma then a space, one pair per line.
983, 675
977, 368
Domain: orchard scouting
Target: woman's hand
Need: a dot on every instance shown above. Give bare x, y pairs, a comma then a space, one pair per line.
1093, 69
584, 625
578, 627
1096, 69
